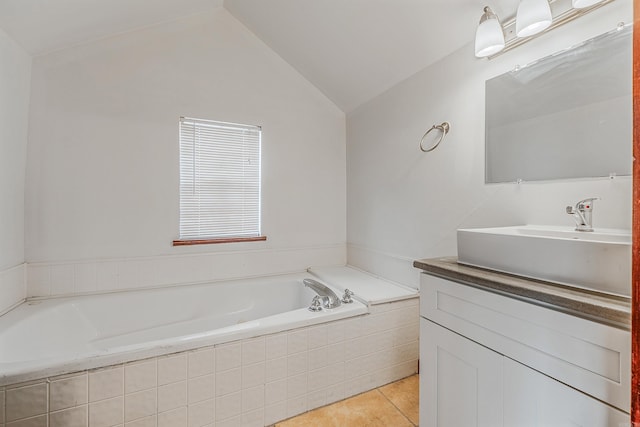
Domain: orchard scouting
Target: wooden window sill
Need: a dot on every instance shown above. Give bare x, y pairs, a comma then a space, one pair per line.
215, 241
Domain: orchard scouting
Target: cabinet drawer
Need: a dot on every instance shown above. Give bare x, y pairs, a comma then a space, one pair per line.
586, 355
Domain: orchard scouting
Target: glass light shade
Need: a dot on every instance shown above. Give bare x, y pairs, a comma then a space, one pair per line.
533, 16
489, 36
581, 4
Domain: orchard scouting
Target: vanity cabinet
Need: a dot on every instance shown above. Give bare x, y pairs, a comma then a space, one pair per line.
492, 360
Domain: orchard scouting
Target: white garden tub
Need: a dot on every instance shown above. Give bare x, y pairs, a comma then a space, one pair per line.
55, 336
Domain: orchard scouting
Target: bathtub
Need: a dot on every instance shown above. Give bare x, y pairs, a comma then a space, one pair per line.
43, 338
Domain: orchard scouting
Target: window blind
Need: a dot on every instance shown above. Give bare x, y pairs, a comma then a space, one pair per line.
219, 180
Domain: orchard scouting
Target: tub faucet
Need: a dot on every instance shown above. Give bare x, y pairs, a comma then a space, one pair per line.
328, 297
582, 214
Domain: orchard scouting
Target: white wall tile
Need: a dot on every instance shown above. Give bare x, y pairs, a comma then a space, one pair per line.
335, 332
38, 280
253, 418
335, 392
228, 406
106, 413
230, 422
253, 351
276, 369
201, 413
140, 404
275, 392
275, 412
276, 345
318, 358
128, 274
335, 353
352, 368
296, 386
172, 396
27, 401
106, 275
297, 363
73, 417
39, 421
172, 368
337, 373
253, 398
106, 383
2, 394
353, 348
228, 381
140, 376
150, 421
353, 328
86, 279
201, 362
317, 398
62, 279
174, 418
201, 388
13, 286
253, 375
318, 336
68, 392
317, 380
228, 356
296, 405
297, 341
148, 272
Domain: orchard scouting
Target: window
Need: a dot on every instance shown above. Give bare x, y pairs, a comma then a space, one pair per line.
219, 182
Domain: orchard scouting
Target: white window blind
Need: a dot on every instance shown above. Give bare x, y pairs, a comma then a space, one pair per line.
219, 180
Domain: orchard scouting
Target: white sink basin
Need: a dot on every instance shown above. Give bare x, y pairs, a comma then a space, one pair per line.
598, 260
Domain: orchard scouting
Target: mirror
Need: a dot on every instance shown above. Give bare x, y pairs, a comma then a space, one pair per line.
566, 116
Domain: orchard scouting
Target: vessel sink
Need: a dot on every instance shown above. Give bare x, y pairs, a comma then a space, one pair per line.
599, 260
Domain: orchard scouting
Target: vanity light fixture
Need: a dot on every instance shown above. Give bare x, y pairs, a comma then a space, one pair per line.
533, 17
489, 35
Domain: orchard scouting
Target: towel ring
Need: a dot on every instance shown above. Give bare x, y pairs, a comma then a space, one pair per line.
444, 127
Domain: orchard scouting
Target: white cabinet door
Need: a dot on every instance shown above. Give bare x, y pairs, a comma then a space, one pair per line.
460, 381
532, 399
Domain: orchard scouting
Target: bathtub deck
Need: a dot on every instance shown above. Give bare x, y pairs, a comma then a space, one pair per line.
394, 404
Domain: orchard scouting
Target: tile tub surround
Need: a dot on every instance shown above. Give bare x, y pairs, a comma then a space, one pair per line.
13, 287
82, 277
596, 306
252, 382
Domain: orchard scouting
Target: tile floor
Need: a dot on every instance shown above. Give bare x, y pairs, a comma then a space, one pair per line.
394, 404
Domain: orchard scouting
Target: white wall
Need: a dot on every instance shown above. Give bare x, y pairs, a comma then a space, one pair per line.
404, 204
15, 76
102, 175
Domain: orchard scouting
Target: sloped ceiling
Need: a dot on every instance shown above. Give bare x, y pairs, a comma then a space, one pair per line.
42, 26
352, 50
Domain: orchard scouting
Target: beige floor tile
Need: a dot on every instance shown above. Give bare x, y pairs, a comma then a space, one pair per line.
404, 394
369, 409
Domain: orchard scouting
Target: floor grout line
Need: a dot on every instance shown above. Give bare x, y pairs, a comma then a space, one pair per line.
394, 405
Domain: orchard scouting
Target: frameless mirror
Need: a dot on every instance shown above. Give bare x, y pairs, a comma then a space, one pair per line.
565, 116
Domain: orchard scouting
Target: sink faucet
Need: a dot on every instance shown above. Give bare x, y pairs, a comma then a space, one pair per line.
330, 299
582, 214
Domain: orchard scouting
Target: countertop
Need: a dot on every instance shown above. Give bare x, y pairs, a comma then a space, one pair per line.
596, 306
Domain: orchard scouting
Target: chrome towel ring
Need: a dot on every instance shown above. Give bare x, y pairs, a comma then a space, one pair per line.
444, 127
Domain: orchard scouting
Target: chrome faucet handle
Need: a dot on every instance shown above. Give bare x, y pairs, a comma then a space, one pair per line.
346, 297
316, 304
586, 204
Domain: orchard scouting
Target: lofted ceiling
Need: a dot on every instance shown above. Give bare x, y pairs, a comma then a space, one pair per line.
352, 50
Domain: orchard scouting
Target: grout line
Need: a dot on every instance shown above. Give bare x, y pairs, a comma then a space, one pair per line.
394, 405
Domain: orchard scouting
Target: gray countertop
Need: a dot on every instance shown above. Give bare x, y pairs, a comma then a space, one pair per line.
596, 306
